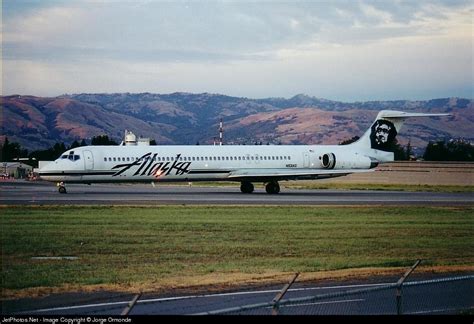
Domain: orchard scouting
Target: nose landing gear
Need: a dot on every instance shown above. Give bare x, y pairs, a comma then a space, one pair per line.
61, 187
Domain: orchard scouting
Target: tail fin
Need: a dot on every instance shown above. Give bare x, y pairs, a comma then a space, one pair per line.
379, 139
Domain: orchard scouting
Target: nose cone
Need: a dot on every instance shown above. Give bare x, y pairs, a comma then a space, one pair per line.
49, 171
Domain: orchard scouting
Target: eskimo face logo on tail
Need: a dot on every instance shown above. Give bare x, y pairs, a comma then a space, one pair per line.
382, 135
147, 166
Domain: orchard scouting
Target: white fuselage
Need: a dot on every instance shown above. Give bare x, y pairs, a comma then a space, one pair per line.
244, 163
195, 163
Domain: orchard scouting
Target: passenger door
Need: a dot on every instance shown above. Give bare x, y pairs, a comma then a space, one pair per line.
88, 160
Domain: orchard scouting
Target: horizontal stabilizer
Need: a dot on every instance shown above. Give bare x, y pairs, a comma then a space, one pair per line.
401, 114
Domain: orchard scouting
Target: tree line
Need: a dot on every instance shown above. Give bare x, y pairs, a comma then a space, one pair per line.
452, 150
12, 151
443, 150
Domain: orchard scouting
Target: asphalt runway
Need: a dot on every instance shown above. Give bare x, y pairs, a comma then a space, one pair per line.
42, 193
438, 295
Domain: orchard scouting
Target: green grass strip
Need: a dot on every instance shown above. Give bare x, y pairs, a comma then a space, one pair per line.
127, 245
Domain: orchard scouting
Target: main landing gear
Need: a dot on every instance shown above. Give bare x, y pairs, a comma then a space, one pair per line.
246, 187
61, 187
271, 187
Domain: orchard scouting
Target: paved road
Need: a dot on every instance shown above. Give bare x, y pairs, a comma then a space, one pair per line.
39, 193
434, 296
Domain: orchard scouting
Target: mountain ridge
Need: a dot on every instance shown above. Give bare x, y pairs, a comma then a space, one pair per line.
188, 118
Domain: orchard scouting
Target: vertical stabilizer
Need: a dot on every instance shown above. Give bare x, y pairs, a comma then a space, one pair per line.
379, 139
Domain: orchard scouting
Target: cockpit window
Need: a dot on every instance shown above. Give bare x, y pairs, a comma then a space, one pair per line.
71, 156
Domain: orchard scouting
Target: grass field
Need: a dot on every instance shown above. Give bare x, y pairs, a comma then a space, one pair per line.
178, 245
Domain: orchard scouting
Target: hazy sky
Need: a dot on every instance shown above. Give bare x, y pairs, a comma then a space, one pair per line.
340, 50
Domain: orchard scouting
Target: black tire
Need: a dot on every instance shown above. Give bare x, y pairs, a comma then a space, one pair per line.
272, 188
246, 187
62, 190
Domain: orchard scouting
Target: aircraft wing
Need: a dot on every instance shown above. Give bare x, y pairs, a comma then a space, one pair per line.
288, 174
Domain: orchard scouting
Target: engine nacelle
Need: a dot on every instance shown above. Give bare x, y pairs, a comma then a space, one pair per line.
328, 161
347, 161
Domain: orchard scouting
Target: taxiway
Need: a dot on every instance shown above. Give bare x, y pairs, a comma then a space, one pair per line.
40, 193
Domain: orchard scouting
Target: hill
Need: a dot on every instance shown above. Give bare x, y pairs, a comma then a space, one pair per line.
185, 118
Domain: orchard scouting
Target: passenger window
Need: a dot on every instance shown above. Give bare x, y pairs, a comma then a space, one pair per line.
105, 159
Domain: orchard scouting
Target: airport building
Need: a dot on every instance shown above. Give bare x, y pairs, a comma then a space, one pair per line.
17, 170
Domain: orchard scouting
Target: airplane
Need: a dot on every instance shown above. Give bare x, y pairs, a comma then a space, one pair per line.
241, 163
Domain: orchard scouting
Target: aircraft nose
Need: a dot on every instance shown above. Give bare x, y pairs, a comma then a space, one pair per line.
46, 171
47, 166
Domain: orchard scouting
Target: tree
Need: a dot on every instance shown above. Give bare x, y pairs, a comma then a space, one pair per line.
102, 140
11, 151
408, 151
398, 151
74, 145
454, 150
49, 154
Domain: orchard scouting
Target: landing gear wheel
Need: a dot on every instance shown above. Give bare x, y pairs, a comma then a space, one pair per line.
272, 187
62, 188
246, 187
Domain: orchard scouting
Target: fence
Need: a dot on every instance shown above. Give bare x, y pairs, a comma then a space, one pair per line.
438, 296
